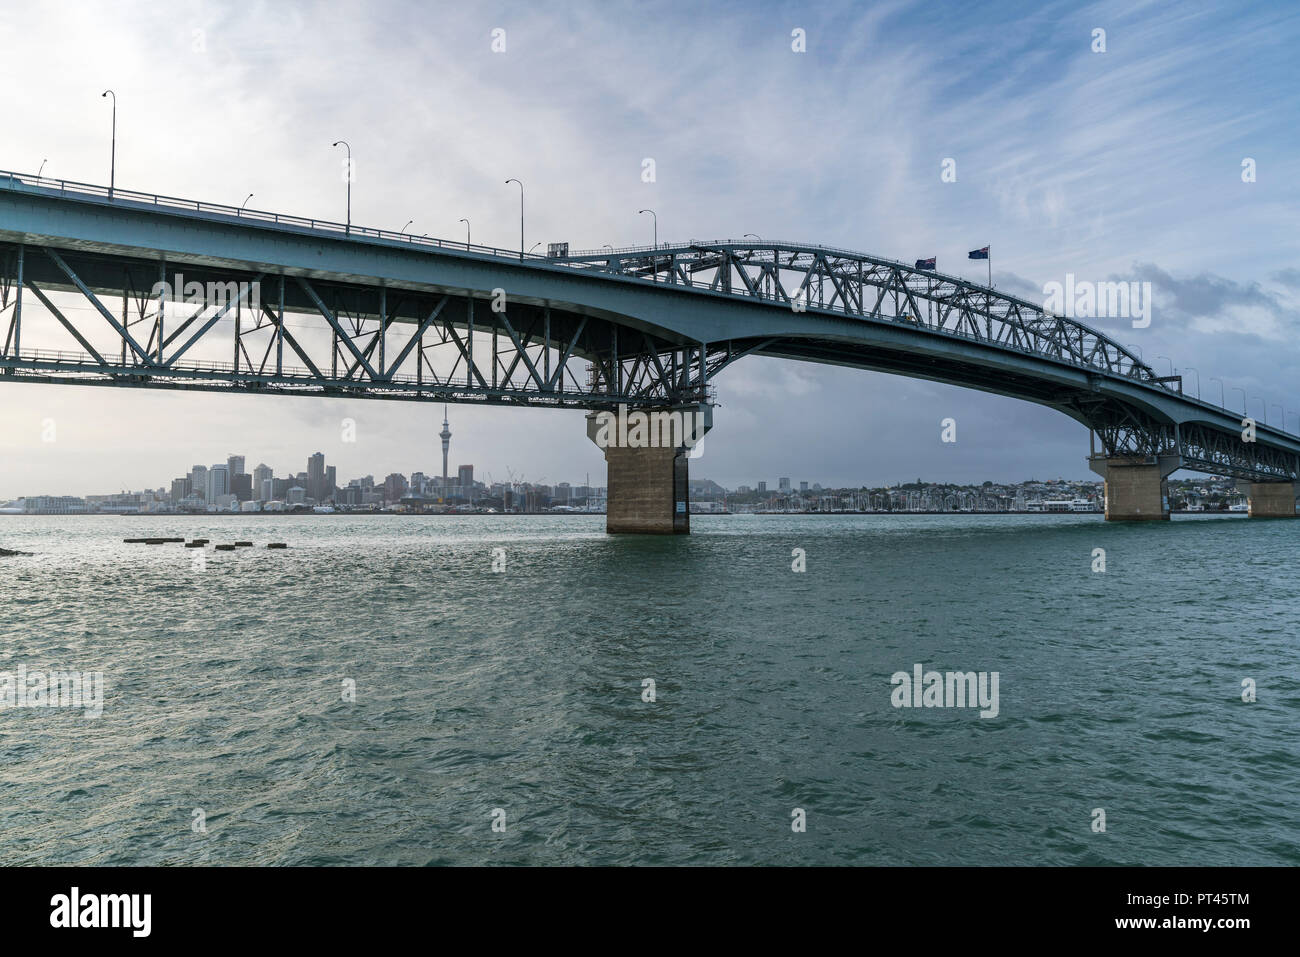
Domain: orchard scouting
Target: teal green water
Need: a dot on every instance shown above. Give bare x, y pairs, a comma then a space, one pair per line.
522, 691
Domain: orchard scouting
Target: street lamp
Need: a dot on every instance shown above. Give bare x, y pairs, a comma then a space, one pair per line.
1238, 388
1139, 349
408, 223
755, 235
521, 215
1198, 380
1171, 364
655, 261
532, 247
1283, 408
466, 222
112, 169
1215, 378
344, 143
1264, 408
245, 202
42, 169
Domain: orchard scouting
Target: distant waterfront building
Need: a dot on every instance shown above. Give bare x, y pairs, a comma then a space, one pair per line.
803, 486
261, 475
180, 489
296, 495
54, 505
762, 488
199, 480
331, 481
235, 465
783, 484
241, 486
466, 473
395, 487
218, 482
267, 490
316, 477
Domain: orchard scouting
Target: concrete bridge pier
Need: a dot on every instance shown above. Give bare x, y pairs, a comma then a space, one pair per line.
1136, 486
647, 470
1269, 499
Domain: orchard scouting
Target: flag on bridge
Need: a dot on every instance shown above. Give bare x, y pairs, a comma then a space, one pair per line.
926, 263
979, 253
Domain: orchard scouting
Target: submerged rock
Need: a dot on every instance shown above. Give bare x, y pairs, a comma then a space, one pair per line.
9, 552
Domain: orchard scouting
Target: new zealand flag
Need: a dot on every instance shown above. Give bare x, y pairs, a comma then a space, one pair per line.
979, 253
926, 263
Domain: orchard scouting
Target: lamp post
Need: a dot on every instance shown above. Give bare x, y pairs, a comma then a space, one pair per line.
755, 235
408, 223
1198, 380
1283, 408
344, 143
1263, 408
655, 261
1171, 364
1139, 350
532, 247
1238, 388
245, 202
466, 222
112, 168
1222, 403
521, 215
42, 169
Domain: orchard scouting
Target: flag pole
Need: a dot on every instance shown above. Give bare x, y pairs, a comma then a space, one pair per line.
990, 259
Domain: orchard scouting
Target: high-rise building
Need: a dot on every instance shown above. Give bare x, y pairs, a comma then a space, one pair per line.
266, 488
466, 473
180, 488
199, 480
218, 482
260, 476
445, 435
316, 477
331, 481
241, 486
235, 465
762, 488
803, 486
394, 487
783, 484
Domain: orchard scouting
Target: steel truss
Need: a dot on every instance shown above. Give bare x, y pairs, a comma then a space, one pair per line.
295, 335
839, 280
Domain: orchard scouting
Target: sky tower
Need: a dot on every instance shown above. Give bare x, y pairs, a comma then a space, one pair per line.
445, 435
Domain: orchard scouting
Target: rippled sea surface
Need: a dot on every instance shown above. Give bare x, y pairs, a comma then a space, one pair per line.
522, 691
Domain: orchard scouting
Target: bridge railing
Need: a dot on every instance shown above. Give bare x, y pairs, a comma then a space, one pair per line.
24, 182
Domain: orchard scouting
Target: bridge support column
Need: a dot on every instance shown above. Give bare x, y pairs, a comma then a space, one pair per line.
1136, 490
1271, 500
647, 484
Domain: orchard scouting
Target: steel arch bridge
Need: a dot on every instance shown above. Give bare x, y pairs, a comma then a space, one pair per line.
367, 313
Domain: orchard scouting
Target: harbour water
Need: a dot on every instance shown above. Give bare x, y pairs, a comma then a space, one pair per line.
522, 691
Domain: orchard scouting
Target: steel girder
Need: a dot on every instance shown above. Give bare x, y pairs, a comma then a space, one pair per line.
301, 336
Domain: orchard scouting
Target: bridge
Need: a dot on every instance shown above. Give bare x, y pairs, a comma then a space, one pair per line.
156, 292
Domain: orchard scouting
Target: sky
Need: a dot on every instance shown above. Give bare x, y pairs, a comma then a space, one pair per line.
1125, 164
